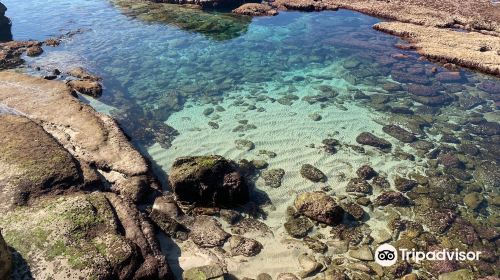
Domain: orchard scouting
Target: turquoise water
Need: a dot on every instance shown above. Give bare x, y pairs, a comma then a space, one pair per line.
182, 81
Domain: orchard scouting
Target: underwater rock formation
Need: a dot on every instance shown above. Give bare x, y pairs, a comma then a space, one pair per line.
320, 207
215, 26
208, 180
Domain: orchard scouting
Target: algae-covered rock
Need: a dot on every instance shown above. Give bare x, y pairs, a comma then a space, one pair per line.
298, 227
208, 180
28, 168
320, 207
5, 260
73, 237
204, 273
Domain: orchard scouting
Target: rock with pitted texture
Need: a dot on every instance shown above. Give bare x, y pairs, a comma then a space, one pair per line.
393, 198
242, 246
358, 185
320, 207
208, 180
207, 232
214, 272
312, 173
255, 9
90, 88
5, 25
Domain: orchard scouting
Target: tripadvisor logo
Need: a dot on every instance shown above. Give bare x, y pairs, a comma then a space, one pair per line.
387, 255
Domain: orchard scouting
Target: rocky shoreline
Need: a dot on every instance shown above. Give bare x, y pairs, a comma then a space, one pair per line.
431, 26
79, 162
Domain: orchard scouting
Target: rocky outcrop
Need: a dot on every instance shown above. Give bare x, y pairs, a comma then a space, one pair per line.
5, 259
255, 9
30, 169
461, 48
320, 207
203, 3
208, 180
51, 105
5, 25
54, 151
82, 235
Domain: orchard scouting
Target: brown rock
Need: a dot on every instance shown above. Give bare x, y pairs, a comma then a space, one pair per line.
90, 88
5, 259
367, 138
255, 9
320, 207
34, 51
244, 246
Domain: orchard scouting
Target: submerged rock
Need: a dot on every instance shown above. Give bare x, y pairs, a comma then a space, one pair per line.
366, 172
243, 144
5, 259
255, 9
353, 210
312, 173
462, 274
215, 272
367, 138
399, 133
358, 185
207, 232
208, 180
393, 198
363, 253
273, 177
244, 246
298, 227
403, 184
320, 207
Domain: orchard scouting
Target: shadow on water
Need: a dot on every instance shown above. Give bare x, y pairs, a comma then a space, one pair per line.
213, 24
20, 268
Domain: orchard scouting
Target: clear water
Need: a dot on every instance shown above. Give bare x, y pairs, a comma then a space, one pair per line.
164, 65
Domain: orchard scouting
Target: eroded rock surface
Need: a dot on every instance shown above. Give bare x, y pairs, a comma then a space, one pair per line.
320, 207
255, 9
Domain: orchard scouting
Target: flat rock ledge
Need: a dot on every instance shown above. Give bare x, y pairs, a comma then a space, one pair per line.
70, 189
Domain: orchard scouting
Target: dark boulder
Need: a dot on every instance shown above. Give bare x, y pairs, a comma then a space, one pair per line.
399, 133
312, 173
5, 25
366, 172
393, 198
403, 184
320, 207
367, 138
358, 185
208, 180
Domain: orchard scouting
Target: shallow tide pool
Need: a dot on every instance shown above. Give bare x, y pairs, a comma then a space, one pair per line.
184, 82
